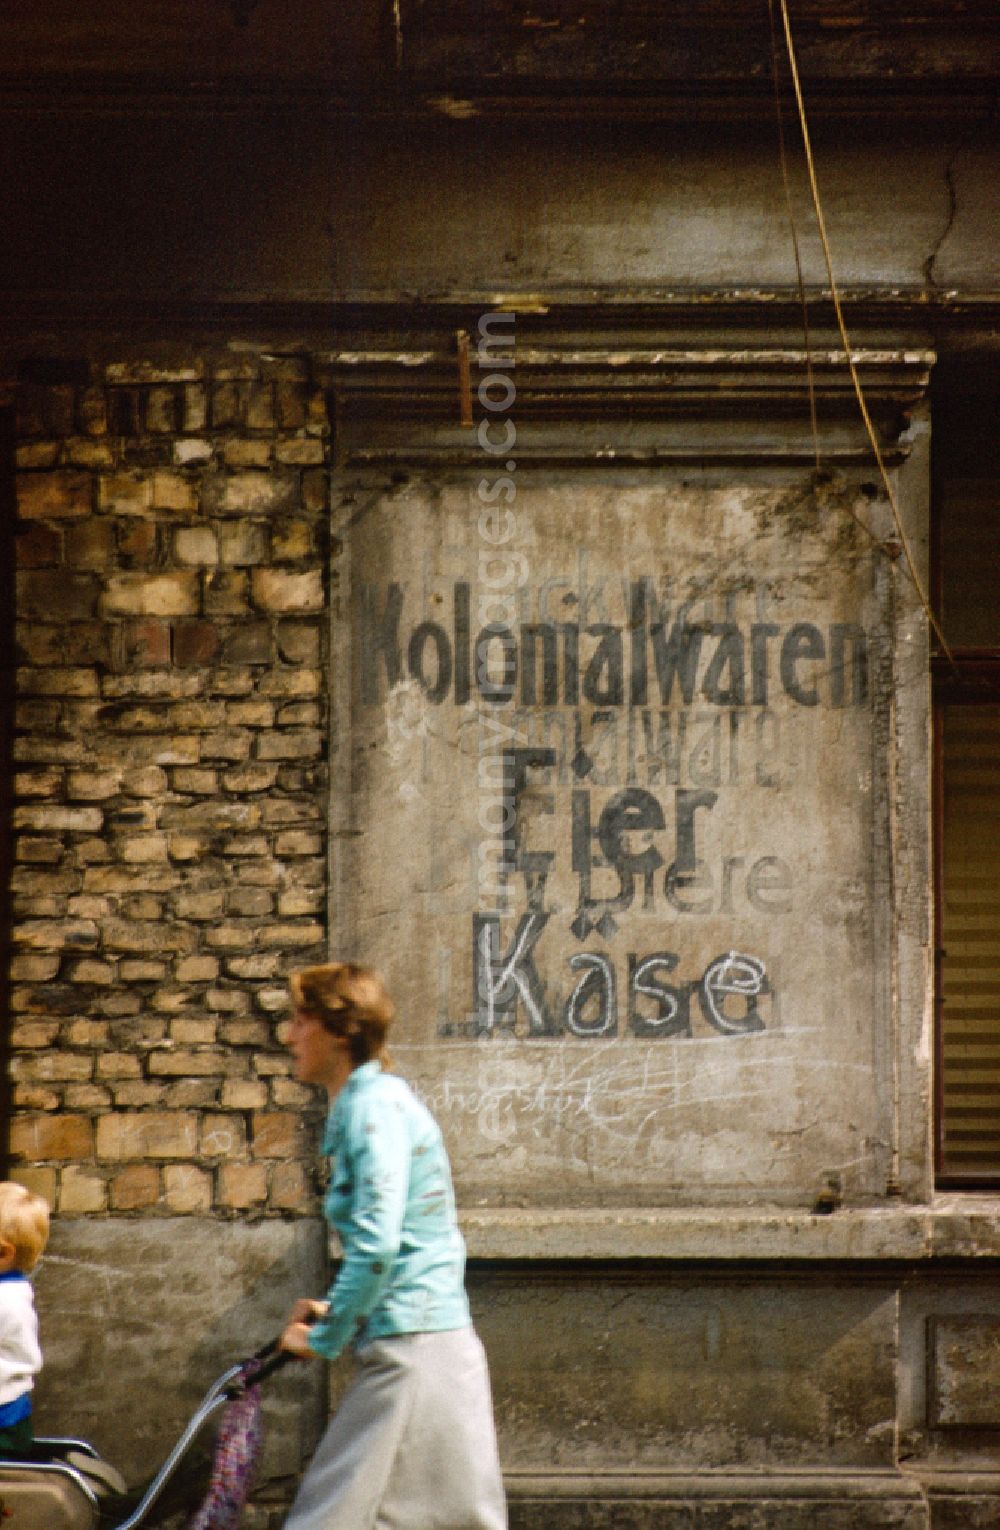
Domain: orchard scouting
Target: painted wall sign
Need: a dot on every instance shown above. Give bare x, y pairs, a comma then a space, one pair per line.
612, 833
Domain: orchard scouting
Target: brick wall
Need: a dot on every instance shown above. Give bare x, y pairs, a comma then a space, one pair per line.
170, 816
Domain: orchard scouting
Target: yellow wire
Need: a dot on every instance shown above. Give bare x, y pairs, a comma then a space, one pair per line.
783, 155
855, 379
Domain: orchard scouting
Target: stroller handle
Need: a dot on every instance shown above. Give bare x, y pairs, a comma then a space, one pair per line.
270, 1359
229, 1386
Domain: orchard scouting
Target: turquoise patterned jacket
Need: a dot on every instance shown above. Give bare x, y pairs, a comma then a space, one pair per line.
393, 1206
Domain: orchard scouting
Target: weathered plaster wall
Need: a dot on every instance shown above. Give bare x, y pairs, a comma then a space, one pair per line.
666, 207
175, 596
616, 1370
174, 806
611, 785
167, 208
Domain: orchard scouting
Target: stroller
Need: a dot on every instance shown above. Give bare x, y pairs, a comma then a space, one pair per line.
65, 1485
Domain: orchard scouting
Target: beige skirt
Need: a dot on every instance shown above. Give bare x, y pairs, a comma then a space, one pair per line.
412, 1445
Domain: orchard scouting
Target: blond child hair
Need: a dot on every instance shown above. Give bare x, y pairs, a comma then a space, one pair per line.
24, 1224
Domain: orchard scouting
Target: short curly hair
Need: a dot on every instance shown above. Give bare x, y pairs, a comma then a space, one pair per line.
348, 1000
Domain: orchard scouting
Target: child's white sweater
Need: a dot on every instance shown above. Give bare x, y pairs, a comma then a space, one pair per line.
20, 1355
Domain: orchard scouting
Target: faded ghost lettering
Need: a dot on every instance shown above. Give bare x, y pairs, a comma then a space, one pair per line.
535, 636
672, 1005
380, 639
727, 665
628, 845
733, 977
592, 1007
430, 632
495, 688
803, 642
658, 655
604, 681
623, 844
505, 980
677, 656
511, 998
627, 732
533, 865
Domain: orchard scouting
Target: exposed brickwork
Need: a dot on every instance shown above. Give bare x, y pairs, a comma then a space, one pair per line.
171, 754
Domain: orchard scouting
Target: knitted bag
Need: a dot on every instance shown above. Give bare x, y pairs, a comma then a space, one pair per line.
237, 1455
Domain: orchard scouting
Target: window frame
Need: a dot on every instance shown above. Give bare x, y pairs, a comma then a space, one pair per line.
973, 680
8, 696
970, 676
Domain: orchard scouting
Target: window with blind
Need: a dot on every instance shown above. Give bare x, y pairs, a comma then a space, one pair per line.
967, 759
8, 661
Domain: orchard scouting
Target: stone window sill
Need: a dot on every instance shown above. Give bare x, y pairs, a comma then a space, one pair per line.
949, 1227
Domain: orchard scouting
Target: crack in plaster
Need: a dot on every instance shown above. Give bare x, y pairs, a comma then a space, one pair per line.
952, 212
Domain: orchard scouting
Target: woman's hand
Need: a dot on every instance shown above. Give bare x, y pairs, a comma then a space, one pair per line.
295, 1338
307, 1311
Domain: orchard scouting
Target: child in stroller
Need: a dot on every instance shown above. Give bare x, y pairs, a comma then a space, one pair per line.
34, 1473
65, 1485
24, 1232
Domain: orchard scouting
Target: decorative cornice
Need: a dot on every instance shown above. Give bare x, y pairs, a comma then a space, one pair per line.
629, 405
633, 378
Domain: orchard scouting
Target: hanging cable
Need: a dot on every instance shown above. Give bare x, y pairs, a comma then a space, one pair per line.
783, 154
904, 540
793, 229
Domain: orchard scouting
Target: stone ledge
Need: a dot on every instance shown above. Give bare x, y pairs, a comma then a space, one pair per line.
810, 1485
957, 1483
787, 1500
957, 1227
792, 1500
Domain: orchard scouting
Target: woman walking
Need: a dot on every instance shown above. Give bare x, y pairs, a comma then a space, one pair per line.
412, 1445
